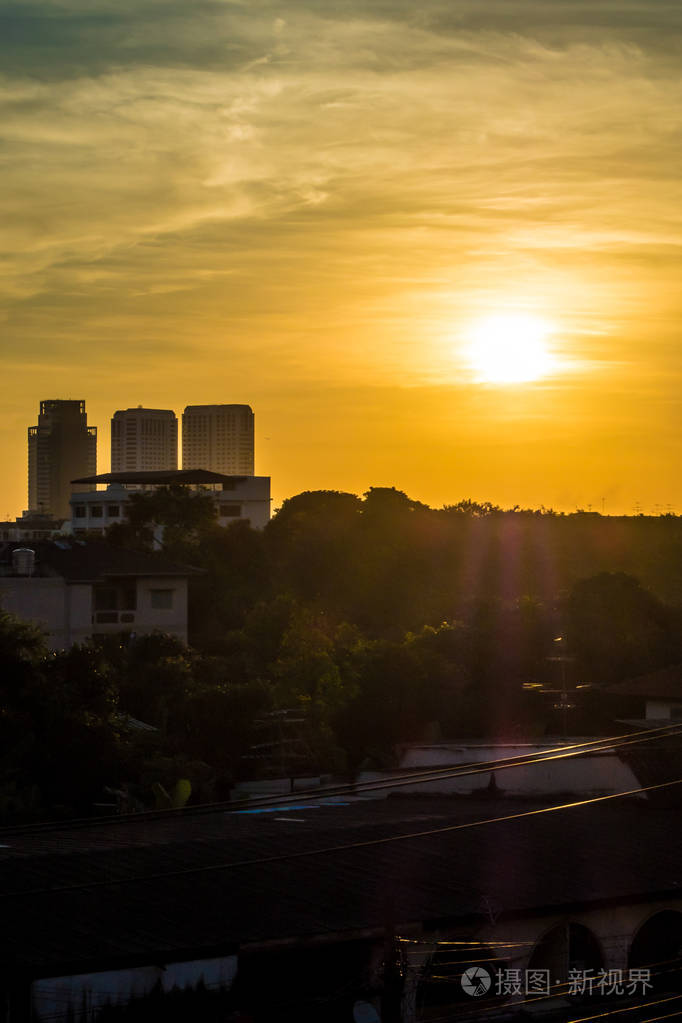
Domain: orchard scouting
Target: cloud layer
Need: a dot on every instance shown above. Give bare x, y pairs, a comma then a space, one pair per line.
298, 195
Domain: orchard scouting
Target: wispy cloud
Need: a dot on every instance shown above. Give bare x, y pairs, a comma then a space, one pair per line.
174, 174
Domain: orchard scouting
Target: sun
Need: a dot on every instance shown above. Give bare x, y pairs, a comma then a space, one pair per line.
510, 348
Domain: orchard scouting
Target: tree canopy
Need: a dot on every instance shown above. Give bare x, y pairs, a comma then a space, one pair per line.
345, 628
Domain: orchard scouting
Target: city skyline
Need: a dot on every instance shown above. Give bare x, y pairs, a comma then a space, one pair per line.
435, 249
219, 438
105, 459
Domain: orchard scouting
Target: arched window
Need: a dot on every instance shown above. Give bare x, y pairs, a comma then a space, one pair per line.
657, 946
566, 947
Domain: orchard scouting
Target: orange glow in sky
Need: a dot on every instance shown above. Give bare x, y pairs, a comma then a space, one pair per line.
434, 246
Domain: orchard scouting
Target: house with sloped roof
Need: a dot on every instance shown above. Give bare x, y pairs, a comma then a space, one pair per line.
653, 699
76, 590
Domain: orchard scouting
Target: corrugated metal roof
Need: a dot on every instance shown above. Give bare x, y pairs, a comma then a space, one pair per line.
184, 885
665, 684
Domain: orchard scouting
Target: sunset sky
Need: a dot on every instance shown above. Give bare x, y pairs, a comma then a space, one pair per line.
320, 209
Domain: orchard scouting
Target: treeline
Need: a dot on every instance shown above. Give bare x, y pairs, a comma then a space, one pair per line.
346, 627
389, 564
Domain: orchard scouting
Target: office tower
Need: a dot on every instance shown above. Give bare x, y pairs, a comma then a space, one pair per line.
144, 439
61, 448
218, 437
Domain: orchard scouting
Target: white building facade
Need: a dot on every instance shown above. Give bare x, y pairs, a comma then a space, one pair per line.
32, 527
93, 511
245, 498
219, 438
75, 593
144, 439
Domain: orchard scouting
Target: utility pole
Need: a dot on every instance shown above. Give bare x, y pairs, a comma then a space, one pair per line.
392, 996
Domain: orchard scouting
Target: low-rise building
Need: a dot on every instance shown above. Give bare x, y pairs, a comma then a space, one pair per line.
93, 511
650, 700
32, 526
531, 769
245, 498
77, 590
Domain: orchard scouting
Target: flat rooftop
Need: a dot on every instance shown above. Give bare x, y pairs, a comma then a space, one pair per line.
163, 476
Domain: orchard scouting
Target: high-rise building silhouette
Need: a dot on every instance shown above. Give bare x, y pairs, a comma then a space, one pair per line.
218, 437
61, 448
144, 439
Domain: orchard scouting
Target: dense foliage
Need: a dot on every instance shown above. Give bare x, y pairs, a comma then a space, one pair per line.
346, 627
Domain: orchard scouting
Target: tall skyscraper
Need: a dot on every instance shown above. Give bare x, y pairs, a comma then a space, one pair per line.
61, 448
144, 439
218, 437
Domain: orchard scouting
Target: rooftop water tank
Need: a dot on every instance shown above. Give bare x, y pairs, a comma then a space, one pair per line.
23, 561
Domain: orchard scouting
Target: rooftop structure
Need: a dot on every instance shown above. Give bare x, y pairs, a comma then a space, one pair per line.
161, 478
235, 497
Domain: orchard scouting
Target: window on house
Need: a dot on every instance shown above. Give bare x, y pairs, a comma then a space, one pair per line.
113, 511
115, 598
161, 600
96, 511
105, 598
105, 617
79, 511
230, 511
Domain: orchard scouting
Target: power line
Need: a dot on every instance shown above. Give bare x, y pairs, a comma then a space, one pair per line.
354, 787
563, 989
601, 744
325, 850
57, 994
629, 1008
434, 774
513, 1005
445, 773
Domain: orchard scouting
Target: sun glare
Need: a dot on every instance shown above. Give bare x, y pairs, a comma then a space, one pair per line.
509, 349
